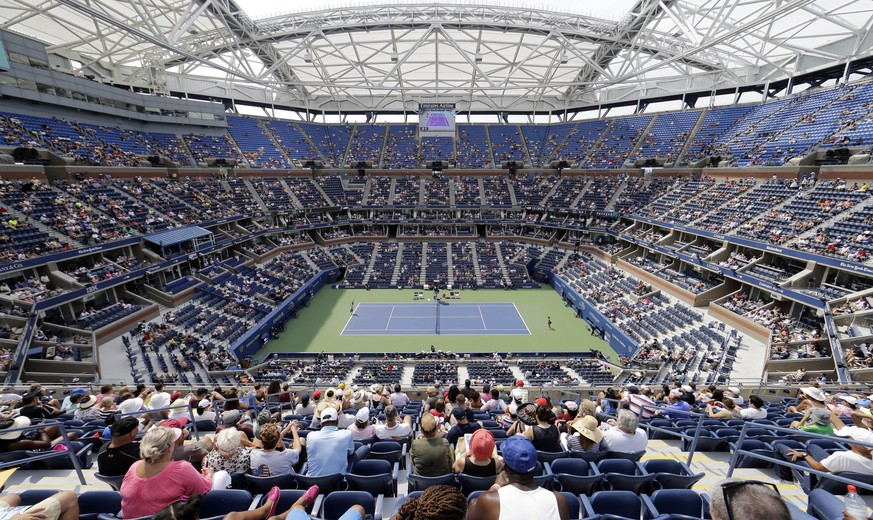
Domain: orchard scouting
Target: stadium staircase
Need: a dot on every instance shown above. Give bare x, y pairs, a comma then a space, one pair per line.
391, 191
581, 194
312, 144
397, 265
478, 273
366, 195
524, 145
452, 192
691, 134
551, 192
345, 158
501, 262
254, 194
422, 192
371, 263
491, 149
324, 194
511, 190
423, 270
262, 123
290, 193
450, 276
384, 146
636, 148
589, 155
610, 205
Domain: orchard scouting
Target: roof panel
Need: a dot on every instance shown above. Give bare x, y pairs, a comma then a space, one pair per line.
402, 50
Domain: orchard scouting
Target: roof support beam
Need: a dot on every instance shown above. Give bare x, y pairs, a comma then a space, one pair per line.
246, 32
640, 15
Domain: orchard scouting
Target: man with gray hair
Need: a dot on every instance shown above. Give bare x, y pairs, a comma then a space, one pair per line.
623, 435
739, 499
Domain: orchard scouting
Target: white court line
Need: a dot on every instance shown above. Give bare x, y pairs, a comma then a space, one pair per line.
388, 323
418, 304
481, 317
522, 319
350, 319
441, 317
352, 333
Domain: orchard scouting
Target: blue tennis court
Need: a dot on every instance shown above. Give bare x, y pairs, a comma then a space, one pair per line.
430, 318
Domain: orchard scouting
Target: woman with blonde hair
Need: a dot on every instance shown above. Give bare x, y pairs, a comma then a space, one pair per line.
157, 481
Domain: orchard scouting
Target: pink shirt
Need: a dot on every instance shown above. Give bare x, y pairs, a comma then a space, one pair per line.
146, 496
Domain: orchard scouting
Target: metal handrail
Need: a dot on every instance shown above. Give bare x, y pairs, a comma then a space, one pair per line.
48, 454
779, 462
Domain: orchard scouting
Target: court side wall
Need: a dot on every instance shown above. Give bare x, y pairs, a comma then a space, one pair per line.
617, 339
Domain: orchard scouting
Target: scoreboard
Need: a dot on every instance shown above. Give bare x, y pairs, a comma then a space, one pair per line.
436, 119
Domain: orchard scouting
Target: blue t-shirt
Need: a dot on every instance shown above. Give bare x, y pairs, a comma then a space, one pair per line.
327, 451
678, 410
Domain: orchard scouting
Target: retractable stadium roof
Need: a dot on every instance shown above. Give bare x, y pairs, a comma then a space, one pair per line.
390, 57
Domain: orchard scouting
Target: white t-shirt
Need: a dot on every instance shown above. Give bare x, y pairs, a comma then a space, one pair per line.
398, 431
279, 462
307, 410
493, 405
368, 432
616, 440
207, 415
399, 400
538, 503
848, 461
751, 413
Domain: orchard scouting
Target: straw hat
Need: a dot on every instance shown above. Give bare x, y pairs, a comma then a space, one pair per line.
587, 427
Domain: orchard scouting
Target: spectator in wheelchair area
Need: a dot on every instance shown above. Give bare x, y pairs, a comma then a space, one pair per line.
737, 499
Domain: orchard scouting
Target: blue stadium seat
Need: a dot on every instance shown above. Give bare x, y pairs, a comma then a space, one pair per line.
93, 503
625, 475
672, 474
674, 502
338, 502
576, 476
624, 504
220, 502
377, 477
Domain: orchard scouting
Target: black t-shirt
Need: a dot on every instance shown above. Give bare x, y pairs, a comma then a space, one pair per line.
116, 461
37, 413
457, 431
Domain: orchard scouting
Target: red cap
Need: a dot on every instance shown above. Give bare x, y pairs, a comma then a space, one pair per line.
175, 423
316, 394
542, 401
519, 383
175, 395
852, 489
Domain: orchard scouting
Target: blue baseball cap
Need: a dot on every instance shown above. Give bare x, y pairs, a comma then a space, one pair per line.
519, 454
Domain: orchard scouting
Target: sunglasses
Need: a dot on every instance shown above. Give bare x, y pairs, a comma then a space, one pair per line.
730, 489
